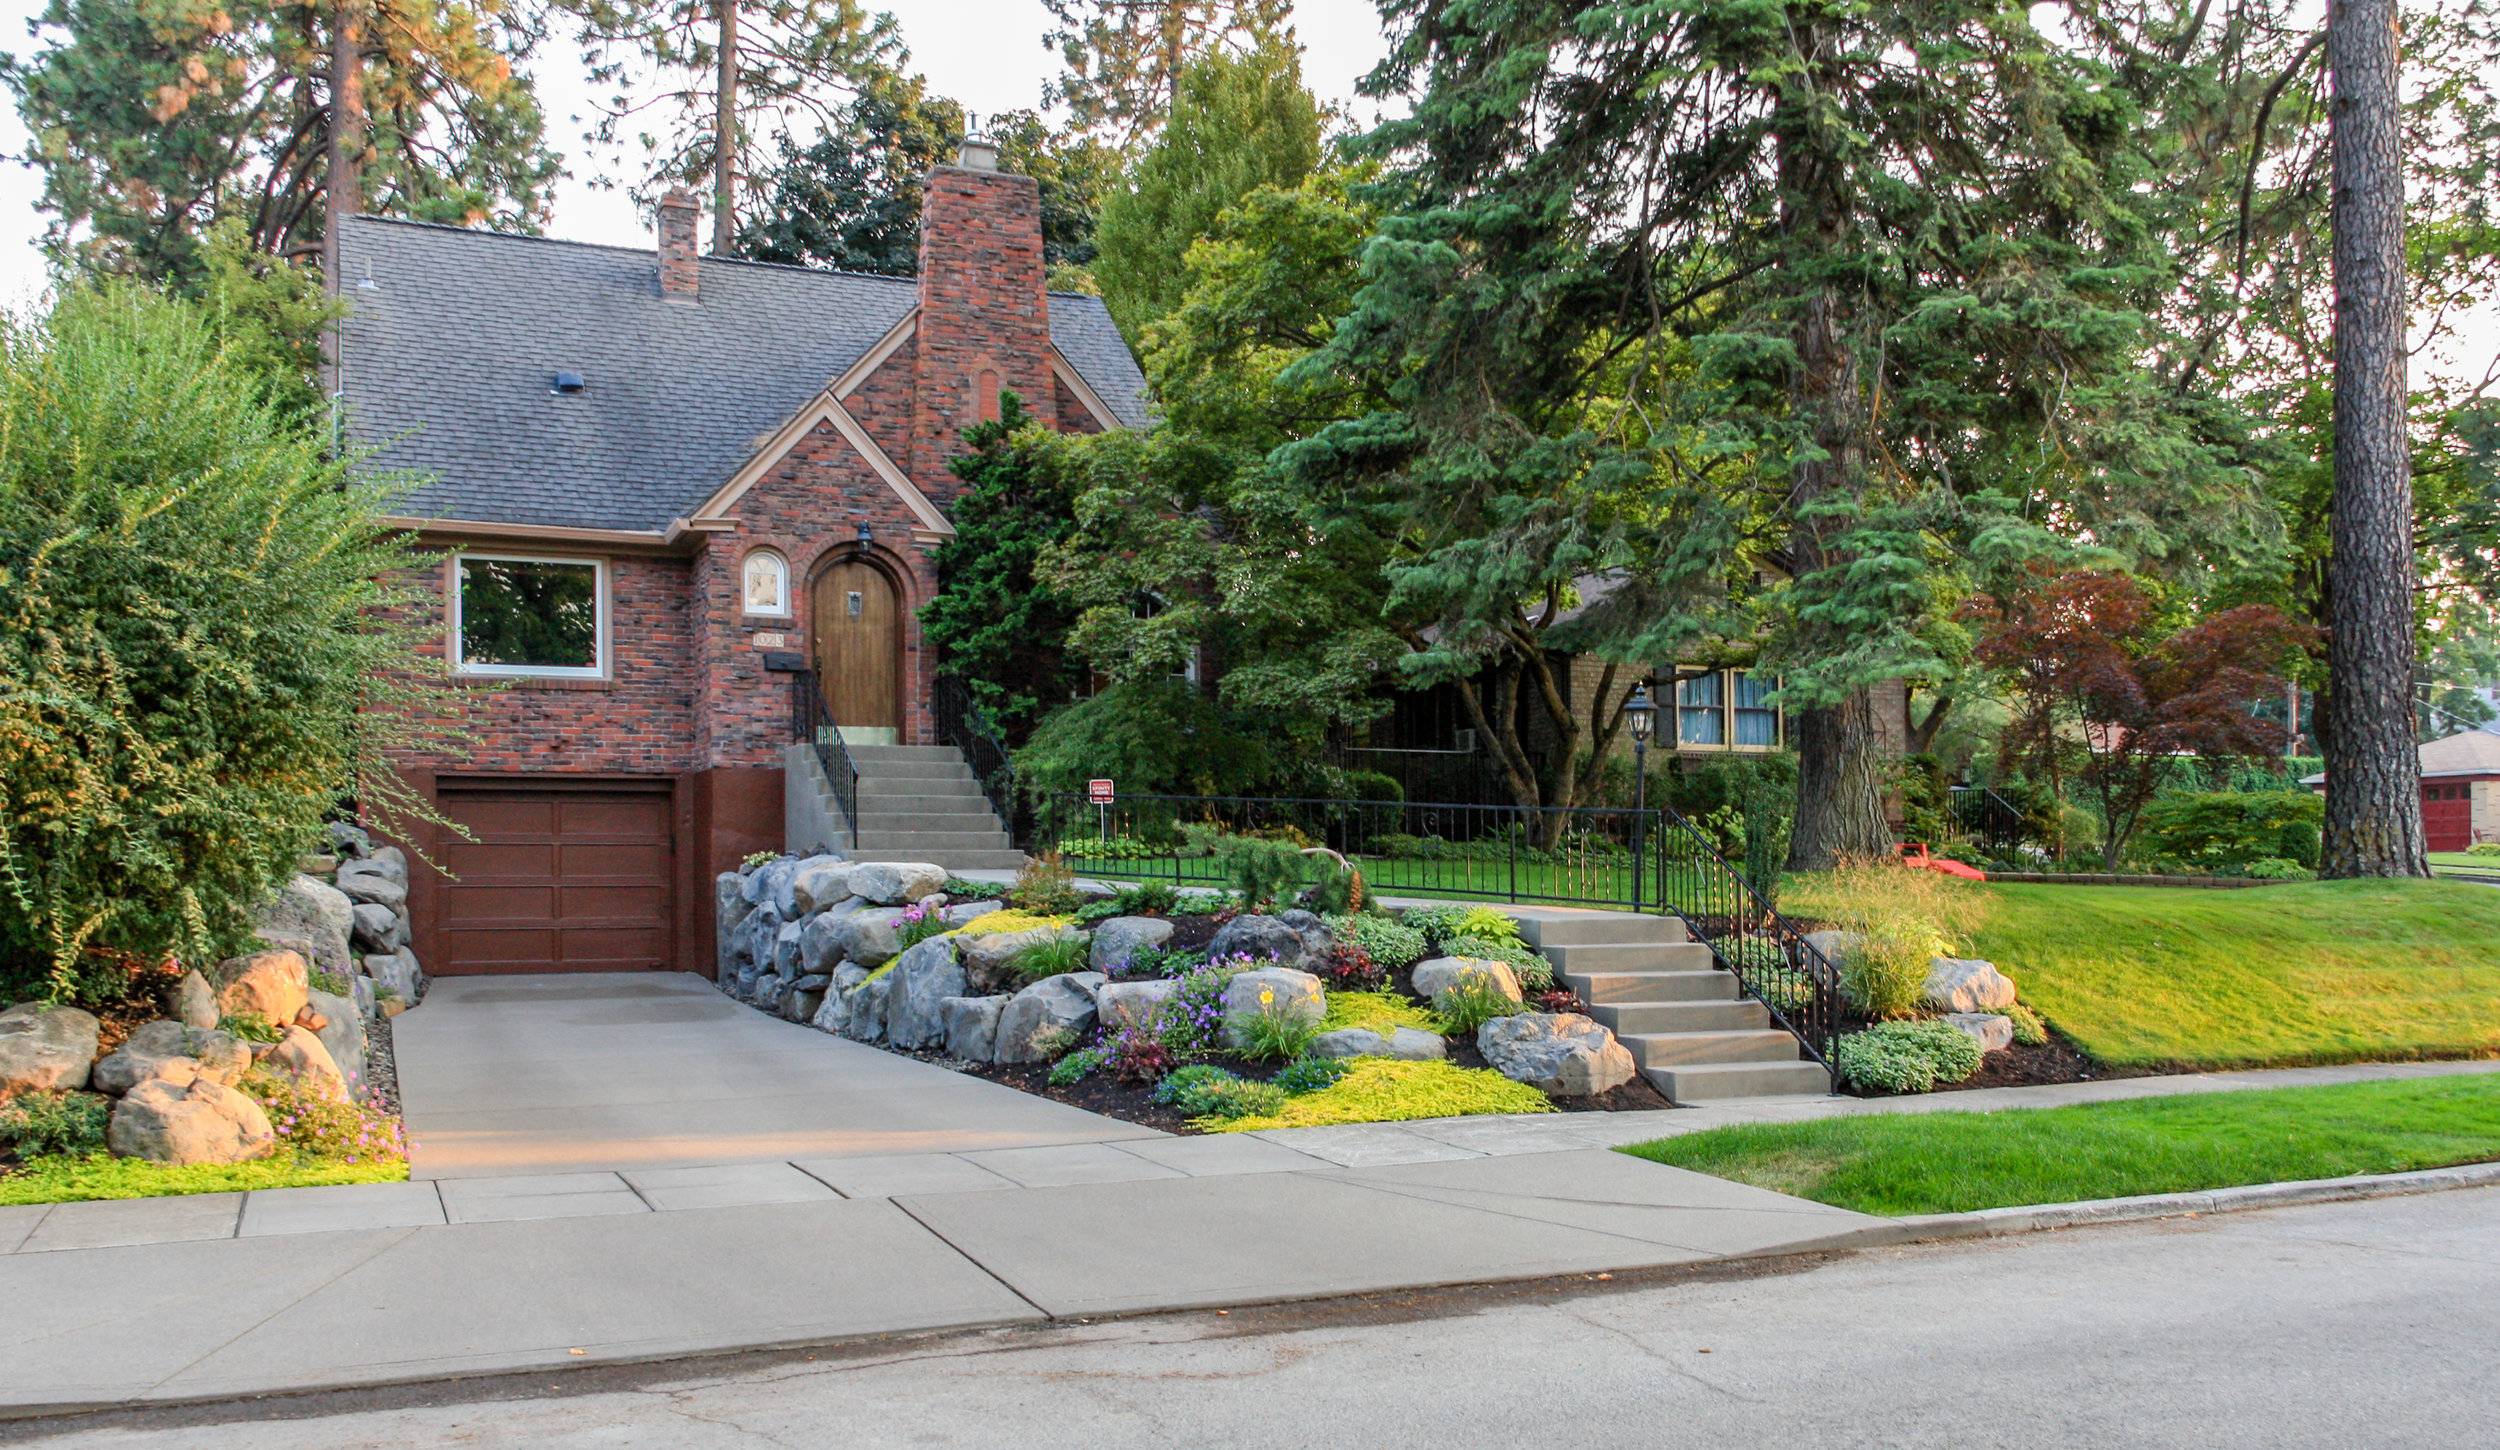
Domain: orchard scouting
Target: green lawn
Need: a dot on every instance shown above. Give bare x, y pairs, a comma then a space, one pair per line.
1900, 1163
2311, 972
1608, 879
2452, 863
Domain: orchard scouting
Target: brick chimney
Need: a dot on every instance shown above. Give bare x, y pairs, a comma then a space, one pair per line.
984, 310
679, 211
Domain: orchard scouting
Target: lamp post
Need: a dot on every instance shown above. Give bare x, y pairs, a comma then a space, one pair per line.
1642, 714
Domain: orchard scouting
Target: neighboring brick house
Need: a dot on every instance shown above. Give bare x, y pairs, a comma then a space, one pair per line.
658, 482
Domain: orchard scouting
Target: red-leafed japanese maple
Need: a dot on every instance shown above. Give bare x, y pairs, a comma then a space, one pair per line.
2106, 697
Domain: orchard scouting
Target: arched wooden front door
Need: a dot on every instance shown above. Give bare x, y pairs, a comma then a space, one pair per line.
857, 624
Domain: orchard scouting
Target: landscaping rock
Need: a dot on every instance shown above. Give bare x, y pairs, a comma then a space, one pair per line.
377, 928
729, 907
867, 936
1834, 945
865, 1020
820, 942
835, 1011
766, 883
272, 983
387, 861
1437, 978
347, 842
1261, 938
963, 911
1118, 939
751, 951
315, 912
770, 993
896, 883
1964, 984
1408, 1044
1122, 1004
1048, 1017
344, 1036
1280, 992
985, 955
43, 1048
168, 1049
801, 1004
359, 884
398, 972
972, 1026
1317, 940
786, 950
195, 1001
196, 1120
819, 882
300, 1055
924, 978
1564, 1053
1992, 1032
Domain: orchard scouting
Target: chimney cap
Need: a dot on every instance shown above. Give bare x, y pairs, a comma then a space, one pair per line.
677, 197
979, 153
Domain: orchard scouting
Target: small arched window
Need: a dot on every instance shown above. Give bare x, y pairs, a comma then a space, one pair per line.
765, 583
986, 384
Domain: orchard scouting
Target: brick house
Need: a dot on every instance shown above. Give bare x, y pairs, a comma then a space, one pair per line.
658, 484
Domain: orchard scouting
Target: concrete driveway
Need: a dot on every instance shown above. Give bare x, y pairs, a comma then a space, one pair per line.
626, 1070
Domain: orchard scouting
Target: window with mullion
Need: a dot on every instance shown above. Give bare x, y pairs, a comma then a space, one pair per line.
1757, 721
1700, 711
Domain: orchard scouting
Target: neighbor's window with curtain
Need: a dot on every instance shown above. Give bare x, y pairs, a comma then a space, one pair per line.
1700, 718
519, 616
1757, 722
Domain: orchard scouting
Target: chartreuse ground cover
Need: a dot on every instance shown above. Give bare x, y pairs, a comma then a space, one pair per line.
66, 1179
1903, 1163
1384, 1090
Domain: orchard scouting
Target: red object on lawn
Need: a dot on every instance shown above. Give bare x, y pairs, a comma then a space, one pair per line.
1914, 854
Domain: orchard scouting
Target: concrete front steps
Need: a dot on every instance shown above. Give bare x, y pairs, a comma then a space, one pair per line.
1693, 1034
916, 803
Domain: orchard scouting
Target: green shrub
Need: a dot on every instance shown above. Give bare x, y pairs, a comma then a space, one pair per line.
1473, 1003
754, 859
1437, 923
1238, 1097
1095, 912
207, 636
250, 1027
1163, 962
1310, 1074
1392, 945
1262, 873
2276, 868
958, 889
1191, 1020
1273, 1036
42, 1124
319, 1126
1907, 1057
323, 980
1486, 923
1335, 890
1077, 1066
2484, 848
1535, 974
2029, 1030
1109, 848
1049, 958
1154, 736
1046, 885
1202, 903
2226, 830
1150, 898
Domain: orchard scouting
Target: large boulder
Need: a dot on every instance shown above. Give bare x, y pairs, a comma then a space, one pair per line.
1993, 1033
896, 883
1048, 1017
1260, 938
1964, 984
378, 928
358, 883
315, 912
766, 883
195, 1001
786, 950
834, 1013
865, 1020
1118, 939
1125, 1004
819, 882
972, 1026
343, 1035
397, 973
42, 1048
1279, 992
188, 1119
924, 978
1436, 979
1409, 1044
785, 897
1834, 945
388, 862
299, 1055
274, 984
986, 954
805, 998
1317, 940
867, 936
820, 939
1564, 1053
729, 907
168, 1049
347, 841
751, 951
963, 911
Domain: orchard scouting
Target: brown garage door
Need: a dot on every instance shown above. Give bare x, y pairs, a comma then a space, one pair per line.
556, 881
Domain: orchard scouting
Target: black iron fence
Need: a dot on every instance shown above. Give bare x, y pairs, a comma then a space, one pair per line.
1648, 860
812, 724
962, 723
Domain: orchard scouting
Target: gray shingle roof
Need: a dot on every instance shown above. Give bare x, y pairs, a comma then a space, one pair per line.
448, 360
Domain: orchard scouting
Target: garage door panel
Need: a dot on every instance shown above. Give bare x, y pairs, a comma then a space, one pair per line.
558, 880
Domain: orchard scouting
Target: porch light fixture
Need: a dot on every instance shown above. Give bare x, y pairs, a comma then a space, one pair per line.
865, 536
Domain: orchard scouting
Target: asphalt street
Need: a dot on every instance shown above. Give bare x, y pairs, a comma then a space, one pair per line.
2353, 1324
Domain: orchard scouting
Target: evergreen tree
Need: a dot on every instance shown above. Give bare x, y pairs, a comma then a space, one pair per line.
990, 623
1124, 58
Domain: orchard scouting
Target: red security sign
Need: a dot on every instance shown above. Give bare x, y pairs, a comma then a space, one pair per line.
1098, 792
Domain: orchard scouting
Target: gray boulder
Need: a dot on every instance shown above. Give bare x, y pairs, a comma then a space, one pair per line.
770, 993
786, 950
371, 886
1261, 938
867, 936
819, 882
345, 841
195, 1001
1118, 939
801, 1004
344, 1036
835, 1011
865, 1019
315, 912
963, 911
43, 1048
1408, 1044
396, 972
388, 862
1834, 945
1123, 1004
1279, 992
1437, 978
377, 928
751, 951
1048, 1017
785, 897
765, 884
972, 1026
820, 941
168, 1049
896, 883
986, 954
190, 1120
1966, 984
1317, 940
1992, 1032
924, 978
272, 983
1564, 1053
729, 907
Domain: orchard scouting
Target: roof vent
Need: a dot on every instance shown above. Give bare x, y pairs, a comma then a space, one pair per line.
979, 153
569, 383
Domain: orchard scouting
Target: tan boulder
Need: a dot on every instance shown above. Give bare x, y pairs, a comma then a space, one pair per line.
199, 1120
43, 1048
300, 1055
171, 1050
275, 984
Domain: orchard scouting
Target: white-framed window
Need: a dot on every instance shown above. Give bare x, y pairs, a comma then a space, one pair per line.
764, 583
1727, 710
1698, 712
520, 614
1757, 719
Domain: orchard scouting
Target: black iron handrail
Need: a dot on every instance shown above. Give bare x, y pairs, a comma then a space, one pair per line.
1567, 855
962, 723
812, 724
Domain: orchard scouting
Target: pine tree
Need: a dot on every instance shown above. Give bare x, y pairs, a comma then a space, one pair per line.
1124, 58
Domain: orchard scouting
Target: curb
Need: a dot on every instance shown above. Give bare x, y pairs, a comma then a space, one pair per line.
2037, 1218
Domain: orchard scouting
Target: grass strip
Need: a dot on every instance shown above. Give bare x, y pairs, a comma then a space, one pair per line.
1904, 1163
69, 1180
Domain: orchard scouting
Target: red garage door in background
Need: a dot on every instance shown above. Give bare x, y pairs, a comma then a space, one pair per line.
2447, 815
556, 881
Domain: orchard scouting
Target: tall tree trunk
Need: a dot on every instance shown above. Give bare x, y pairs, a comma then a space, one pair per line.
2373, 767
725, 136
344, 146
1840, 786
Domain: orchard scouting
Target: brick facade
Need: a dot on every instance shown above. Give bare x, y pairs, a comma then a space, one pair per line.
984, 311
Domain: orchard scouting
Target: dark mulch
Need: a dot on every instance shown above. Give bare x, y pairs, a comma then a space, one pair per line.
1194, 931
1101, 1093
2056, 1060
